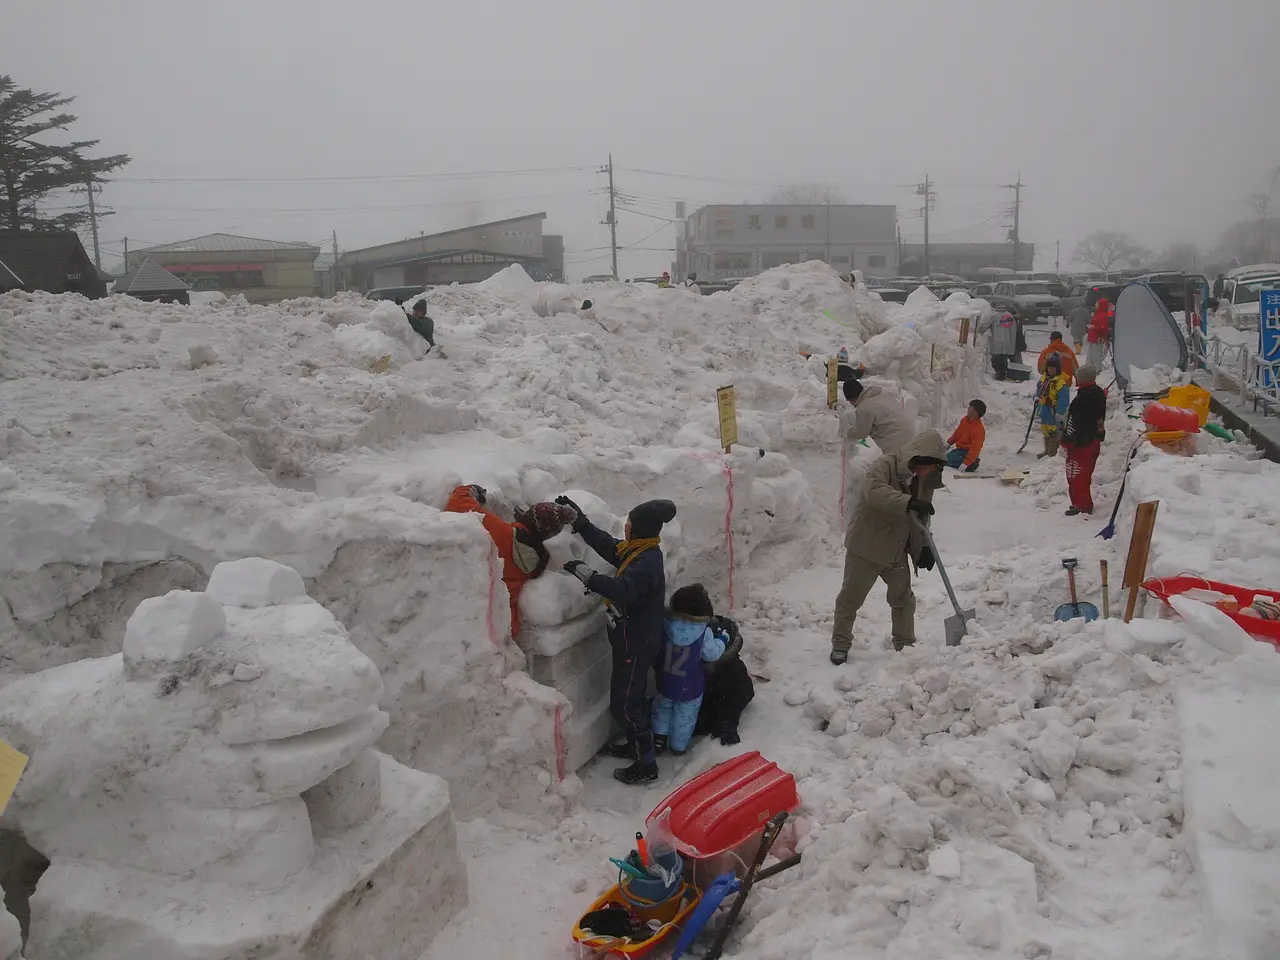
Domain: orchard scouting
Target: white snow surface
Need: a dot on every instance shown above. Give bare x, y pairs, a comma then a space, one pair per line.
1066, 790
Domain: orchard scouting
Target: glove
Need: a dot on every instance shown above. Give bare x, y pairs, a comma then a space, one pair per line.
921, 508
581, 520
971, 468
926, 559
729, 736
478, 493
579, 569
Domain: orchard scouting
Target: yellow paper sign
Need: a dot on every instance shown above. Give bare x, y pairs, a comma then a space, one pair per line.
12, 763
382, 364
833, 380
727, 401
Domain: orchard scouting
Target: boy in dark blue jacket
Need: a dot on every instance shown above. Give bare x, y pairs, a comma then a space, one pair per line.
688, 642
635, 603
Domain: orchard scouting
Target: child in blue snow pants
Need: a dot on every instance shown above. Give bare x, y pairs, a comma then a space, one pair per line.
687, 643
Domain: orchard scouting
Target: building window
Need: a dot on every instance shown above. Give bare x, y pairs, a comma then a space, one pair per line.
806, 221
724, 223
753, 221
776, 258
840, 259
780, 222
733, 264
876, 260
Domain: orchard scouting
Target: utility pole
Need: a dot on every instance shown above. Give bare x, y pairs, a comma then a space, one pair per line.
829, 235
93, 223
612, 218
334, 272
126, 254
1057, 256
926, 190
1017, 216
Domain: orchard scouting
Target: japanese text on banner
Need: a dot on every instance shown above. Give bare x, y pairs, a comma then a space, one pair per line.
1269, 336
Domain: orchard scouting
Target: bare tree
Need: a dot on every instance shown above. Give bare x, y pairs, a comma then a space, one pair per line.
1261, 203
1106, 249
807, 193
1182, 256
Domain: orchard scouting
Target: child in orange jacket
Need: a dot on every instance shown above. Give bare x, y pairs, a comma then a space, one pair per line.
967, 440
520, 544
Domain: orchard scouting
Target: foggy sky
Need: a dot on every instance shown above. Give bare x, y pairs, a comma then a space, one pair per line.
1157, 117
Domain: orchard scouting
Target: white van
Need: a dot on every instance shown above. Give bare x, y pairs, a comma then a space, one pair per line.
1238, 300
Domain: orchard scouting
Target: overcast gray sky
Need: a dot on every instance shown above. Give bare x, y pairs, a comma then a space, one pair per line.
1156, 117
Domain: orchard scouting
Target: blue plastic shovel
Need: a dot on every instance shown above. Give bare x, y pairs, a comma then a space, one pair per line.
1075, 609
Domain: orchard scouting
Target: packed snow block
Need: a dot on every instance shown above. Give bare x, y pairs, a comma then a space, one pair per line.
1231, 781
254, 582
213, 794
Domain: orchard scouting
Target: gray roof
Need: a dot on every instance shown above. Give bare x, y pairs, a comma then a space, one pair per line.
225, 243
150, 278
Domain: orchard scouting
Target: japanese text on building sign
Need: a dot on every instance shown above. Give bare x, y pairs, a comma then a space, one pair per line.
1269, 334
727, 401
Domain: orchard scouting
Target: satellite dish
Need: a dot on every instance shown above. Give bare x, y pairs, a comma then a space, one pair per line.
1146, 334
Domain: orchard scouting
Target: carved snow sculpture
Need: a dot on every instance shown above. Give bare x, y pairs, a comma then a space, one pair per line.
212, 792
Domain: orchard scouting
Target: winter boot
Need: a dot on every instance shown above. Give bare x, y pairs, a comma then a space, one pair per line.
839, 657
659, 742
900, 645
624, 749
645, 768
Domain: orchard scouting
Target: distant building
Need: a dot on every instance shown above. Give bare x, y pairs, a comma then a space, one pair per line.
465, 255
746, 239
964, 259
51, 262
262, 271
153, 283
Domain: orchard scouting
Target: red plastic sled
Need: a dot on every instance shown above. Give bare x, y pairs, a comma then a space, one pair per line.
1163, 417
1268, 630
724, 807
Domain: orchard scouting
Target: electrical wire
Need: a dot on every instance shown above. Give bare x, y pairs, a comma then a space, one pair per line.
383, 178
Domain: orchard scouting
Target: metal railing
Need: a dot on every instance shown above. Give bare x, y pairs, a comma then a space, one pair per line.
1255, 379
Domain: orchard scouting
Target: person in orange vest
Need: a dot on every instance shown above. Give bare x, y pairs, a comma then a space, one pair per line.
520, 544
967, 439
1067, 358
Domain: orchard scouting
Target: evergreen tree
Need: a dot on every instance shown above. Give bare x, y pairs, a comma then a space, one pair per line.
31, 169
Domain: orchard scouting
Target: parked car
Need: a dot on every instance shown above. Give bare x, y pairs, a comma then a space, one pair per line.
891, 294
983, 290
1238, 294
1028, 300
1088, 292
1171, 287
600, 278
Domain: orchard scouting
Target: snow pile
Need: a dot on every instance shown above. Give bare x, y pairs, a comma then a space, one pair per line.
220, 769
794, 295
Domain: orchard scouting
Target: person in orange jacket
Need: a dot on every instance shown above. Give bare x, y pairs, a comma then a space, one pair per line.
967, 439
1066, 356
520, 544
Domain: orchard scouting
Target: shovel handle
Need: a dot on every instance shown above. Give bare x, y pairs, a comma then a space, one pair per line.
1106, 590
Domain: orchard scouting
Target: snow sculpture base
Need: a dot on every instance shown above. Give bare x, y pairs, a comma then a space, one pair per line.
574, 659
382, 889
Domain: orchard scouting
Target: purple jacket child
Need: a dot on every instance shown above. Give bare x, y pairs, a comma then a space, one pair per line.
687, 642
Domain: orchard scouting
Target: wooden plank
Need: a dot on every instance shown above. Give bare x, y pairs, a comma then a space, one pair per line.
1135, 567
727, 403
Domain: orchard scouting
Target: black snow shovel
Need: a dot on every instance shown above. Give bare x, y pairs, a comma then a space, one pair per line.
1030, 424
1075, 609
954, 627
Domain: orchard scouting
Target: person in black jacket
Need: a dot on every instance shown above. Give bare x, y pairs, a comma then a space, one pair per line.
729, 687
423, 325
635, 601
1082, 438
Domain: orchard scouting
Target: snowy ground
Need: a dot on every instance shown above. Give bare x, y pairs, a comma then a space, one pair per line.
1043, 790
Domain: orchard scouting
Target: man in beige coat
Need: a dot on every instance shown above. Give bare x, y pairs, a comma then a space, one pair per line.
874, 414
885, 533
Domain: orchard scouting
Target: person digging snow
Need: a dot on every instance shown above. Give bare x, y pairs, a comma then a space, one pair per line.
1053, 396
875, 414
423, 325
967, 439
688, 641
1082, 439
634, 601
520, 544
885, 534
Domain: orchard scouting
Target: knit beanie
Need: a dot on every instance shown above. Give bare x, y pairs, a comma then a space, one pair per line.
548, 519
1086, 374
852, 390
648, 518
692, 602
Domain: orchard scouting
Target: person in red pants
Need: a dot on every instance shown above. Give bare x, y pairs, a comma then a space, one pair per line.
1082, 439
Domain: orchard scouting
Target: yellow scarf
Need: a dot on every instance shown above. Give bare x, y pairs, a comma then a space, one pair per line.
628, 550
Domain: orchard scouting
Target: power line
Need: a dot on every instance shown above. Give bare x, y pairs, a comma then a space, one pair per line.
362, 178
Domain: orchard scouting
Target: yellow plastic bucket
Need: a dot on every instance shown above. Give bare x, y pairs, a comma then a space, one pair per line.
1191, 397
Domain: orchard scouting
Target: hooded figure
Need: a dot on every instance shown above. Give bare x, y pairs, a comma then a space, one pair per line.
729, 686
634, 598
1082, 439
875, 414
520, 543
1099, 333
1066, 356
1002, 340
688, 641
423, 325
885, 533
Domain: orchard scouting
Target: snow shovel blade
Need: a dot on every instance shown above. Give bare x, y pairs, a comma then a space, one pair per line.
955, 627
1073, 611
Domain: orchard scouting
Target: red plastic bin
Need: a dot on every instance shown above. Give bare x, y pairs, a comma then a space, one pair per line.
1268, 630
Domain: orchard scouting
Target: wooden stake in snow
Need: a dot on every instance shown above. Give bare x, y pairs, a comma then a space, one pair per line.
1135, 567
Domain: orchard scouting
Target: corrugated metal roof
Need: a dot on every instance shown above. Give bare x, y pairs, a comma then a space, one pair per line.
225, 243
150, 278
53, 262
